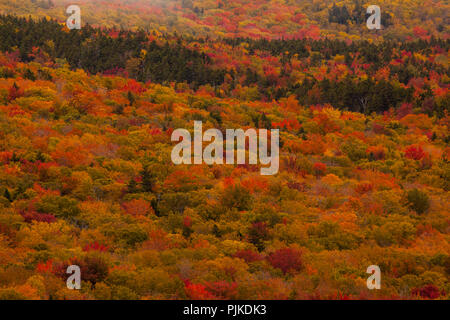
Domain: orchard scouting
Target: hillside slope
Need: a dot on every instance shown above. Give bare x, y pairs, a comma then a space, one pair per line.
249, 18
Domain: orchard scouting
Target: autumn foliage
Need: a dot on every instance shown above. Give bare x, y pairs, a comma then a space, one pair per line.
86, 176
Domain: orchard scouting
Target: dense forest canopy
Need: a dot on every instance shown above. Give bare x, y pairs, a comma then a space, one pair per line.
360, 76
271, 19
86, 177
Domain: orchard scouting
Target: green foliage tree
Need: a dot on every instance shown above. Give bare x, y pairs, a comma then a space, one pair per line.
418, 201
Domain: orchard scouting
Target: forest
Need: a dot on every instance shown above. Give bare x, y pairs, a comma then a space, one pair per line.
86, 176
360, 76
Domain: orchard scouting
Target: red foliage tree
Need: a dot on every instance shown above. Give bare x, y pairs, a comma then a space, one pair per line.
137, 207
93, 269
248, 255
320, 169
31, 216
429, 291
288, 124
414, 152
95, 246
364, 187
197, 291
14, 92
258, 233
45, 267
286, 259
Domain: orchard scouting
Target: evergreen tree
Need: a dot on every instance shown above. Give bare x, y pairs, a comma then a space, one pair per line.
148, 179
131, 98
7, 195
132, 186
